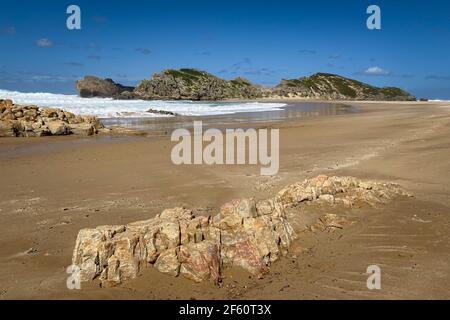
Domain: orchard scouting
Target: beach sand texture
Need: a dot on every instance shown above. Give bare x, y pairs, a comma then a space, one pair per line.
52, 187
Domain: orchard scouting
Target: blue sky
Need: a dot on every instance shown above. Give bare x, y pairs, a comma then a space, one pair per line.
263, 41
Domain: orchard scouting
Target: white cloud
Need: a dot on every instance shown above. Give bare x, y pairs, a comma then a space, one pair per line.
376, 71
44, 43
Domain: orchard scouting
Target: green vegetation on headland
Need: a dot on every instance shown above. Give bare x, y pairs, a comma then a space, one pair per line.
193, 84
330, 86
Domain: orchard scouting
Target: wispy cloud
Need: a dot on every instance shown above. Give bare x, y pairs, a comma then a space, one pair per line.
244, 63
334, 56
74, 64
438, 77
52, 78
8, 30
28, 77
93, 46
94, 57
245, 67
144, 51
375, 71
307, 51
44, 43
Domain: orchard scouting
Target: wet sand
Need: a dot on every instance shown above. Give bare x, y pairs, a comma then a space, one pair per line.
53, 187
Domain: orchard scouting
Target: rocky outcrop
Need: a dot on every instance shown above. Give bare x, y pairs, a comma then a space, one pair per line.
91, 87
32, 121
327, 86
191, 84
162, 112
246, 233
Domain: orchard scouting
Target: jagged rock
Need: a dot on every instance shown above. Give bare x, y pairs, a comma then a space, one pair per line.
200, 261
192, 84
168, 262
8, 128
248, 234
58, 128
8, 103
31, 121
95, 87
162, 112
88, 249
327, 86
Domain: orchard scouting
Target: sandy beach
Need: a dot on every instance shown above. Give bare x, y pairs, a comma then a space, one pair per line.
52, 187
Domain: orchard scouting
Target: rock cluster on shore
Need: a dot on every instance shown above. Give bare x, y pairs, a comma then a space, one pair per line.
192, 84
32, 121
246, 233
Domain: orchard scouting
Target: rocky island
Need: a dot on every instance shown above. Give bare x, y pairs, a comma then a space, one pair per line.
196, 85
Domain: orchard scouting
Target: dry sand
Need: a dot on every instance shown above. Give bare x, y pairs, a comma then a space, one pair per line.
52, 187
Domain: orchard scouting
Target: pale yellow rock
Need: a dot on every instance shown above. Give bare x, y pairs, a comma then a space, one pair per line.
246, 234
82, 129
168, 263
265, 207
58, 128
32, 121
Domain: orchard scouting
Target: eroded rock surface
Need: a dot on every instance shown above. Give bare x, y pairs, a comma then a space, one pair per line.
246, 233
32, 121
105, 88
193, 84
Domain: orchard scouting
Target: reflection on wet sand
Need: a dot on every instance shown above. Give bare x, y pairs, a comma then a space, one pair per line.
290, 112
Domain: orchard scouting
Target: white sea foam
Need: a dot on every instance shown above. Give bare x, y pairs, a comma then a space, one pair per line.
109, 108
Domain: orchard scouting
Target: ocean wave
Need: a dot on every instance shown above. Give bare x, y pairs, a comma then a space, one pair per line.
110, 108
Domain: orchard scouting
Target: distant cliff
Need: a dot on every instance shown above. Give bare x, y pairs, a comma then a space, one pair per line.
192, 84
333, 87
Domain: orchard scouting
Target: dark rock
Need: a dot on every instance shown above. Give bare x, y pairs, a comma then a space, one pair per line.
162, 112
105, 88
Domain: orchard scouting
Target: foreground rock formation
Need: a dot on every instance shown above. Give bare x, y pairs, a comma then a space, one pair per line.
245, 233
32, 121
192, 84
